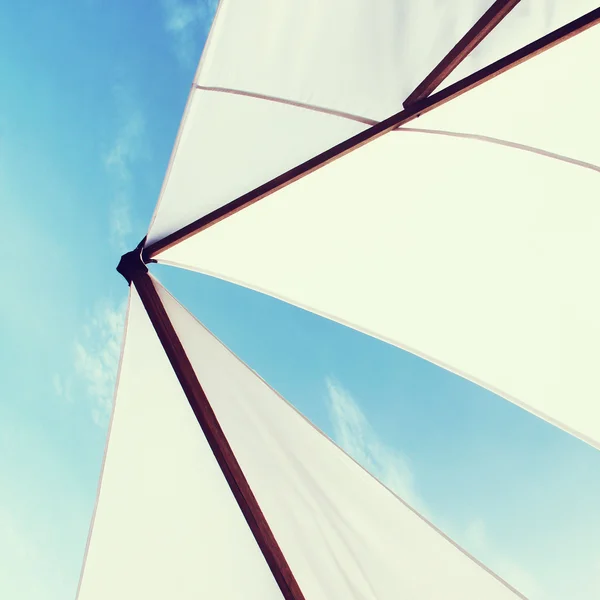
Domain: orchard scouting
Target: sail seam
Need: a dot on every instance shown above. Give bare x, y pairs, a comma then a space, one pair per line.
279, 100
371, 122
509, 144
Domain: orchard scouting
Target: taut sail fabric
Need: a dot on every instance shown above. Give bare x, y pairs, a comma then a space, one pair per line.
472, 244
343, 534
166, 525
230, 143
549, 103
478, 257
281, 81
527, 21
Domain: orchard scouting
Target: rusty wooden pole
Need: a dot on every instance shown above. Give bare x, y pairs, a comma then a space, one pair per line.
471, 39
135, 272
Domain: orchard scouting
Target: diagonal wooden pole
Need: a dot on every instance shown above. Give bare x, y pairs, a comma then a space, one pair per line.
135, 271
408, 114
471, 39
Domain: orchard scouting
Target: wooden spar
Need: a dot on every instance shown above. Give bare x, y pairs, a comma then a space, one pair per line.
491, 18
408, 114
136, 272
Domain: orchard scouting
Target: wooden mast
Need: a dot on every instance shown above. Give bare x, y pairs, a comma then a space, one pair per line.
135, 272
489, 20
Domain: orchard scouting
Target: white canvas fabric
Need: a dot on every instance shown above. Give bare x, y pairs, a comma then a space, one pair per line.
526, 22
343, 534
230, 144
476, 256
549, 102
166, 524
355, 56
346, 57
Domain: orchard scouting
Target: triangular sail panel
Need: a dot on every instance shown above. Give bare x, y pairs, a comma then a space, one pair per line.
278, 84
476, 256
166, 524
166, 527
549, 104
471, 244
231, 143
527, 21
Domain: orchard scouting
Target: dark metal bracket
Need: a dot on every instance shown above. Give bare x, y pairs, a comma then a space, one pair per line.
132, 263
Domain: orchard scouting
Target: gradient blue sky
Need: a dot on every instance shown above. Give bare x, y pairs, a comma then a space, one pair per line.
91, 98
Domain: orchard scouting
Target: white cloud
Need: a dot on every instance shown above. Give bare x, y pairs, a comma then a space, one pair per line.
475, 539
97, 354
62, 387
475, 535
57, 383
127, 145
126, 149
354, 434
519, 577
187, 22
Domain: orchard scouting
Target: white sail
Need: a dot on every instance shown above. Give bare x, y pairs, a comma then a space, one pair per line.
472, 252
475, 256
232, 143
282, 81
527, 21
274, 75
548, 103
165, 524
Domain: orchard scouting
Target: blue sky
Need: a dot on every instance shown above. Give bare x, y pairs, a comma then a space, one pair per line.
90, 103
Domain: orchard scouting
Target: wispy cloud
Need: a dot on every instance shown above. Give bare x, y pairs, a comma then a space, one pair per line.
188, 22
97, 353
62, 387
354, 434
126, 149
476, 540
94, 354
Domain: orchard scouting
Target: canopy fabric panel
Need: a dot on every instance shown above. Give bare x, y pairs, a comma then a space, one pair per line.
230, 144
345, 57
344, 535
550, 103
475, 256
354, 56
526, 22
166, 524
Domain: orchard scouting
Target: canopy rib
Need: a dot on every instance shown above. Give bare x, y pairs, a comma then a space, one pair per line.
489, 20
408, 114
216, 438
